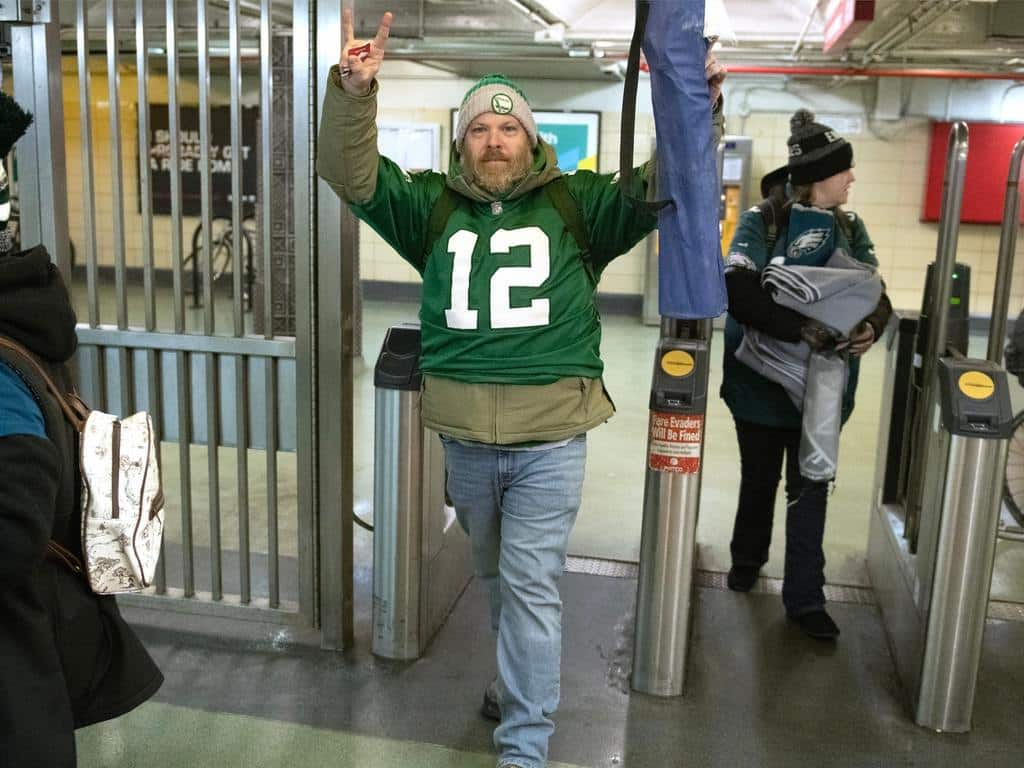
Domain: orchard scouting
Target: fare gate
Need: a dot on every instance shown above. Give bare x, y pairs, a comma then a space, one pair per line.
939, 479
255, 419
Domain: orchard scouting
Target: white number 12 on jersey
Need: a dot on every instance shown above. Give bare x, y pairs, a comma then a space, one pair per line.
504, 279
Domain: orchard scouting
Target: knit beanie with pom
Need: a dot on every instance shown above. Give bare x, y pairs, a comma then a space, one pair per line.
815, 150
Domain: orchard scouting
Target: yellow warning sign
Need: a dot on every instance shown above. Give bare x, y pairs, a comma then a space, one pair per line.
976, 385
677, 363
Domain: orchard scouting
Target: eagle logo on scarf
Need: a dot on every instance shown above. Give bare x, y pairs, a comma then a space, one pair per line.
807, 243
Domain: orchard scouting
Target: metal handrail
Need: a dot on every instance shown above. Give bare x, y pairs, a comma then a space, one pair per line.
949, 229
1007, 251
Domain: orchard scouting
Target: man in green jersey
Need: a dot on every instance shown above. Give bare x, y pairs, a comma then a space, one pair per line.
510, 343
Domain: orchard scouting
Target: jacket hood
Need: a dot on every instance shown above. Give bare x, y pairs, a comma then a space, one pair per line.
35, 309
544, 169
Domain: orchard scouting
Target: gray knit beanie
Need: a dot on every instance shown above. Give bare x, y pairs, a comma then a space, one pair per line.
498, 94
815, 150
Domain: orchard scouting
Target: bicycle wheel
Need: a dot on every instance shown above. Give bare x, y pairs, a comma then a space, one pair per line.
221, 246
1013, 485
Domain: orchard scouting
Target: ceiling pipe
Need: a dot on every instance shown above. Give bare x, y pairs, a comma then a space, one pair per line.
803, 32
919, 19
946, 74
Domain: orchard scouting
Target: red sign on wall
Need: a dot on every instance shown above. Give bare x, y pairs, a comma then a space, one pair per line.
845, 20
988, 163
674, 442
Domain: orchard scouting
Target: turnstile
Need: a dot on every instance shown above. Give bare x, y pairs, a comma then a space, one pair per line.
421, 557
935, 506
675, 448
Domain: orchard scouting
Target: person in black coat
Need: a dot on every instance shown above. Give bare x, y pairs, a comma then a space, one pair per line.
67, 658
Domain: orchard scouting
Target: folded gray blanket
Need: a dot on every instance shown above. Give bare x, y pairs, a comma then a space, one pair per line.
838, 295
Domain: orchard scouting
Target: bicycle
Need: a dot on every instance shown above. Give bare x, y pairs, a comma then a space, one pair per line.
222, 251
1013, 483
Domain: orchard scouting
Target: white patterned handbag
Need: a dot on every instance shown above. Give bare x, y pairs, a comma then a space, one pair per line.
122, 499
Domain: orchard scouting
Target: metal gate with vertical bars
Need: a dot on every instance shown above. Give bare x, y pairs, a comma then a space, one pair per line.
255, 434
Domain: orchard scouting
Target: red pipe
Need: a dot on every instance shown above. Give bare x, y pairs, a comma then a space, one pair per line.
951, 74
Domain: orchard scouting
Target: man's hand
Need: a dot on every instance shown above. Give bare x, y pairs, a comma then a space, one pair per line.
860, 341
715, 72
359, 67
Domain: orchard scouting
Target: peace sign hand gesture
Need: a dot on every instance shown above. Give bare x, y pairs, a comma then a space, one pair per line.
360, 61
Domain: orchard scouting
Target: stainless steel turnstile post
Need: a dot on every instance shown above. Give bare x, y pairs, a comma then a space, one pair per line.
933, 584
675, 450
421, 557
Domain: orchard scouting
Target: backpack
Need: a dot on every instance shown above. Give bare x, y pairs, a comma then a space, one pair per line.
558, 195
122, 499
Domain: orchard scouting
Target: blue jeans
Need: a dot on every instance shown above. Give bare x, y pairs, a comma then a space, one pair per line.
518, 508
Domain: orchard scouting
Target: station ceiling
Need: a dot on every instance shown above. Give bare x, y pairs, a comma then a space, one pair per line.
588, 39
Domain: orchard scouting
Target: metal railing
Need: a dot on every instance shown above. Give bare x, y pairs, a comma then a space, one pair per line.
202, 384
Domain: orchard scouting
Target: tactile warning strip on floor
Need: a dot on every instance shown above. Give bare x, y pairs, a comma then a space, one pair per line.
834, 593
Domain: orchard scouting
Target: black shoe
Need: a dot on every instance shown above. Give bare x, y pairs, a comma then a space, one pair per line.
817, 624
742, 577
490, 710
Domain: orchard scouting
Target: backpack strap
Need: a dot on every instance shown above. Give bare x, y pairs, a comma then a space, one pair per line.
561, 198
75, 411
443, 208
775, 215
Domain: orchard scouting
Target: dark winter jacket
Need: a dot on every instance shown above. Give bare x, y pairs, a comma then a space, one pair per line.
749, 396
67, 658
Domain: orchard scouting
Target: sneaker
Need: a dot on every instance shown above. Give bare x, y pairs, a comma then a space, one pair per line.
742, 577
817, 624
490, 710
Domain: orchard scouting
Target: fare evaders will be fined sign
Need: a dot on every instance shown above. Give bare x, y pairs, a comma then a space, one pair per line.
675, 442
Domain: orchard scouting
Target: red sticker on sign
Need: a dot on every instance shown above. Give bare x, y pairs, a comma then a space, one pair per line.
674, 442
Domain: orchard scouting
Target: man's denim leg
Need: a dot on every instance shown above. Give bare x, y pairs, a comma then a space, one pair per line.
473, 486
539, 494
538, 511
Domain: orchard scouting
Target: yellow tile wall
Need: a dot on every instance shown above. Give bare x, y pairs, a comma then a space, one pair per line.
103, 164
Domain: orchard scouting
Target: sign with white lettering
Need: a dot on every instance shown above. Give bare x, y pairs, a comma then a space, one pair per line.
674, 442
189, 154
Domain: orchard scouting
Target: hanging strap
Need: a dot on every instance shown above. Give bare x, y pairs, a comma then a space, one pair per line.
627, 127
74, 410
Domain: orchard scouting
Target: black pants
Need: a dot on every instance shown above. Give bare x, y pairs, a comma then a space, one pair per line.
761, 452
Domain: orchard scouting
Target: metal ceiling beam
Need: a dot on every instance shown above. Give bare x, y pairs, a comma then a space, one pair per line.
926, 13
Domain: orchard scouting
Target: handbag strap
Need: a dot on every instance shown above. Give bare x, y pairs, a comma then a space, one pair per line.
75, 411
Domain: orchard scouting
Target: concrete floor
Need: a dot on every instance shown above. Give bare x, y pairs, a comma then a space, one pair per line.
758, 693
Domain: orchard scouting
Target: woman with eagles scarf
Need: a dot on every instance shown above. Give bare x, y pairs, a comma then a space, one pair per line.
811, 227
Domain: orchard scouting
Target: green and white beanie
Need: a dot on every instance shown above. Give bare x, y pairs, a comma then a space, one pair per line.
497, 94
14, 121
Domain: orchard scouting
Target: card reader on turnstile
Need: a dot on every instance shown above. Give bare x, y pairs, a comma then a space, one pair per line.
676, 384
975, 398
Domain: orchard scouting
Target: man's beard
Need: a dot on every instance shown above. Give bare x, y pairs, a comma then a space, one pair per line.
500, 178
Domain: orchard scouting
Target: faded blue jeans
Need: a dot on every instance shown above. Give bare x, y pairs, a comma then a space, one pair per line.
518, 507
